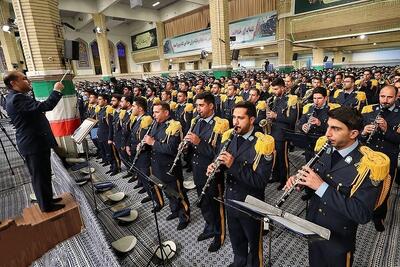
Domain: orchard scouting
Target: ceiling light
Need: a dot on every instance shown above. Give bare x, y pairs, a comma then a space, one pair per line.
363, 36
170, 60
262, 47
374, 43
156, 4
6, 28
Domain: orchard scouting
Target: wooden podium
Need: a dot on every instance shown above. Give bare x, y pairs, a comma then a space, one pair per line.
27, 238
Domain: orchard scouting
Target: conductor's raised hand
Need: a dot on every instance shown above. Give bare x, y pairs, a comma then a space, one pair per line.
58, 86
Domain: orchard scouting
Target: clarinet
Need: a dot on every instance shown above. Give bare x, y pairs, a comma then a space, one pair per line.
140, 146
217, 164
309, 119
310, 164
182, 146
376, 127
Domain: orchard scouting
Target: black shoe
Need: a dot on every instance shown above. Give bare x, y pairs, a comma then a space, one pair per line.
156, 209
145, 200
137, 186
182, 225
110, 171
57, 199
114, 173
128, 175
106, 164
204, 236
142, 191
379, 225
215, 245
54, 207
171, 216
280, 187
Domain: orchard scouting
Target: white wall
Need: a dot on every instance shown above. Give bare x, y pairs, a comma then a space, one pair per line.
377, 57
155, 66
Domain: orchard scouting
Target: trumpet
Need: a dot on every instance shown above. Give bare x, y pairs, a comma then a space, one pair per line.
376, 126
310, 164
217, 164
140, 146
265, 124
182, 145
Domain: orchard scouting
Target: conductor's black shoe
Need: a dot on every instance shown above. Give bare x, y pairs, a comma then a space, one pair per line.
137, 186
215, 245
57, 199
379, 225
156, 209
128, 175
142, 191
145, 200
204, 236
306, 197
171, 216
182, 225
54, 207
280, 187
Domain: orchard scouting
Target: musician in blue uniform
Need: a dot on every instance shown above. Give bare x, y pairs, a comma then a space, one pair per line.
228, 101
284, 116
33, 134
103, 116
381, 122
349, 96
114, 136
347, 183
204, 140
216, 90
261, 108
248, 161
164, 139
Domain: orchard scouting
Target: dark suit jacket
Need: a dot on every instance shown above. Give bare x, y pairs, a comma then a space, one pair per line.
336, 210
33, 132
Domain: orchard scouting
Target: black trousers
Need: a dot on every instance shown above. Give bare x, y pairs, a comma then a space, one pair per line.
39, 167
320, 256
105, 151
115, 159
281, 168
245, 234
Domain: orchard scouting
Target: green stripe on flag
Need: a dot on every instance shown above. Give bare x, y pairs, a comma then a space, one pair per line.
44, 88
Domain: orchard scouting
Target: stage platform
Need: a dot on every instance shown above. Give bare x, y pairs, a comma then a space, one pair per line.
92, 246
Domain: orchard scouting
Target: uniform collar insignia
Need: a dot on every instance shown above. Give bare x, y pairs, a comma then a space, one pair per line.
251, 138
348, 159
329, 151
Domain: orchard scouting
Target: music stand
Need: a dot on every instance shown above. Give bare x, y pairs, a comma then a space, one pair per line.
169, 191
79, 137
262, 211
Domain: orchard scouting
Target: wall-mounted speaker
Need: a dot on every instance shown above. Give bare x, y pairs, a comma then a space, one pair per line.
235, 54
325, 58
71, 50
343, 59
295, 55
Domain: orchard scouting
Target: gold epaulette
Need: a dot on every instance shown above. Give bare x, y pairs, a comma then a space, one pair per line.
292, 100
156, 100
109, 110
122, 114
193, 88
333, 106
173, 105
261, 105
241, 85
306, 108
258, 86
361, 96
270, 91
189, 107
190, 95
374, 83
221, 125
97, 109
368, 109
132, 118
224, 98
374, 163
337, 92
173, 128
146, 122
264, 146
320, 143
238, 99
174, 92
207, 88
357, 83
226, 135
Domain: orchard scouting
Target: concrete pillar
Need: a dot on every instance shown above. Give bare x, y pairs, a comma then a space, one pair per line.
164, 63
104, 48
203, 64
219, 21
338, 55
318, 58
285, 47
43, 44
8, 41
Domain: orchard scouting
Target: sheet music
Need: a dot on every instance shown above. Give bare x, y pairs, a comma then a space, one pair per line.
79, 135
290, 225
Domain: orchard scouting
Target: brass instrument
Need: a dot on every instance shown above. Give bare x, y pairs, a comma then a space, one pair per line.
376, 127
265, 125
306, 96
217, 164
310, 164
140, 146
182, 145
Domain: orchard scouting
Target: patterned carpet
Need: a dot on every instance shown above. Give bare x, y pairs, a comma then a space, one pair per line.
91, 247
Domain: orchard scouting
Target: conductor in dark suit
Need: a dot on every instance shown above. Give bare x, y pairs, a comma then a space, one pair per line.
347, 183
33, 134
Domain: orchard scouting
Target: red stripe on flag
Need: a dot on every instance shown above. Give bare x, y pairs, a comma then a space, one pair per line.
64, 128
